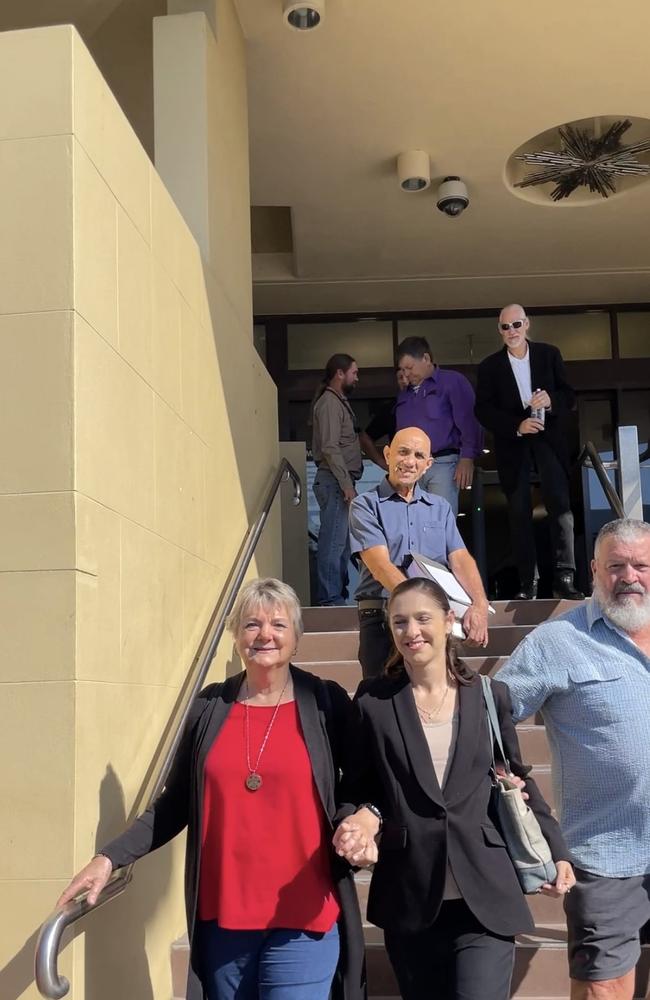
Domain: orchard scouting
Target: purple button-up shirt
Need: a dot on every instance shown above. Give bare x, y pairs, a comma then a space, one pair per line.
443, 407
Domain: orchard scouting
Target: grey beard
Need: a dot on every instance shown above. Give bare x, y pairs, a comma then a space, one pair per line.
629, 615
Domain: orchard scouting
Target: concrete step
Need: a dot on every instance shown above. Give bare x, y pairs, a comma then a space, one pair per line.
534, 745
540, 969
347, 671
344, 618
326, 646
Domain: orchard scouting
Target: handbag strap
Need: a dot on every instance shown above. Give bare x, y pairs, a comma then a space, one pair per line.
493, 721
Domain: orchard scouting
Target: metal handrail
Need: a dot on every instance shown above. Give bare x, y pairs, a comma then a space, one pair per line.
590, 458
48, 980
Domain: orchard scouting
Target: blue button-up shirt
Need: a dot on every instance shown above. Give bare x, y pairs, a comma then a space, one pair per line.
592, 684
442, 407
381, 516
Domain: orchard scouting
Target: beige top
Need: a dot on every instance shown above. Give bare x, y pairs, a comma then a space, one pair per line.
441, 738
335, 441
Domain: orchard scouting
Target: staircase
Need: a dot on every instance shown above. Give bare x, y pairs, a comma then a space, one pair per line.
329, 648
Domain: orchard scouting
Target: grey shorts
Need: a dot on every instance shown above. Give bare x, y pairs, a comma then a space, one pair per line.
605, 917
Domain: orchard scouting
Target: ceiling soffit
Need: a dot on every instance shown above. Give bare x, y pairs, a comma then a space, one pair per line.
330, 111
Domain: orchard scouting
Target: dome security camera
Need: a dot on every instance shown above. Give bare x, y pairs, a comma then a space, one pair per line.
453, 197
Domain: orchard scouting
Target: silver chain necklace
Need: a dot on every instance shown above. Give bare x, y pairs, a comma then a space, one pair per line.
254, 779
428, 716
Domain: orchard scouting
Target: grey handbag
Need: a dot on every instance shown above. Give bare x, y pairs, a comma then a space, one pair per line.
527, 847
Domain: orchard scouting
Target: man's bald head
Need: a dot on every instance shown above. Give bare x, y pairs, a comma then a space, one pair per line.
408, 457
512, 311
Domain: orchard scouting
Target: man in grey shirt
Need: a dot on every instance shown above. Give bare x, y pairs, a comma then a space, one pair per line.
588, 672
337, 453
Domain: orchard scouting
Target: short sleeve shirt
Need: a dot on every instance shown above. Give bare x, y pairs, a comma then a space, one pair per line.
381, 516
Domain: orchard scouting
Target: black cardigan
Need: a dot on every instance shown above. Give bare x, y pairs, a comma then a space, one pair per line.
424, 824
326, 718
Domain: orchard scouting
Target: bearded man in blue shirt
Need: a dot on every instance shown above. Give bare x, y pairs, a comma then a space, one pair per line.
588, 672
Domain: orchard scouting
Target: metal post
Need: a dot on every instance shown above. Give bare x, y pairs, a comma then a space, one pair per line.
478, 525
629, 473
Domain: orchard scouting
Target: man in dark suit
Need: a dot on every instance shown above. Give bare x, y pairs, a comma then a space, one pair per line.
518, 381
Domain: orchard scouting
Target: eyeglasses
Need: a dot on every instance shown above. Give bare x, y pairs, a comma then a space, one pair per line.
516, 324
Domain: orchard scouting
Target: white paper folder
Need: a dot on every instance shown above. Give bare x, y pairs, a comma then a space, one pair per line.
459, 599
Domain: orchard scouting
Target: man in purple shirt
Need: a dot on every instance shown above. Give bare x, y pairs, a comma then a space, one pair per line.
441, 403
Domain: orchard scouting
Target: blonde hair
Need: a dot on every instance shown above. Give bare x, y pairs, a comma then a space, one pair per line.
265, 592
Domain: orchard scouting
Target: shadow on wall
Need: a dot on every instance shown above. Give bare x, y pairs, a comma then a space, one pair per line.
115, 954
113, 957
18, 973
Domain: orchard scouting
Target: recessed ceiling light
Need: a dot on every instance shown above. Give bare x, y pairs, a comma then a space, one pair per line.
303, 15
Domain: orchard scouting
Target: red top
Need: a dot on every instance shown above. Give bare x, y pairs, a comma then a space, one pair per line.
264, 854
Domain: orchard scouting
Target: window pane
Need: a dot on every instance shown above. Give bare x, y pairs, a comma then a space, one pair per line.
579, 336
455, 341
311, 344
634, 334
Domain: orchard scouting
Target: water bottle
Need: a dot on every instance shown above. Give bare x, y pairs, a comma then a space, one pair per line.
538, 412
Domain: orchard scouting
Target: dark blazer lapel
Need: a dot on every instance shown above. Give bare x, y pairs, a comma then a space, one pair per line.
316, 740
509, 379
470, 707
216, 718
415, 741
536, 367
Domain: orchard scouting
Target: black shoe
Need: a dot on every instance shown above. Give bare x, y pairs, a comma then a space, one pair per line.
564, 587
528, 593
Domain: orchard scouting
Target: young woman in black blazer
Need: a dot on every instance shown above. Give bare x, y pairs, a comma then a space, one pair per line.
443, 889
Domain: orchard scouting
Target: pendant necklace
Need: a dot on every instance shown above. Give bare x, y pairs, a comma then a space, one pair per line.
254, 779
429, 717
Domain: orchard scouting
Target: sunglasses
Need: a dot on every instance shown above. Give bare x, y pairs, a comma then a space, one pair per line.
516, 325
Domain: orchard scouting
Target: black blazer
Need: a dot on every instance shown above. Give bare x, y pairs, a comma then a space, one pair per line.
327, 721
423, 823
500, 410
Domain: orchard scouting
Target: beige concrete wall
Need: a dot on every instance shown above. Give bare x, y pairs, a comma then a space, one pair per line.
138, 433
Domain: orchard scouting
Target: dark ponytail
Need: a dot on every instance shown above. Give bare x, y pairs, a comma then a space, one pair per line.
342, 361
456, 667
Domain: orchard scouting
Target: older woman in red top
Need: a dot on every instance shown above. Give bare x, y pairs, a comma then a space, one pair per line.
272, 911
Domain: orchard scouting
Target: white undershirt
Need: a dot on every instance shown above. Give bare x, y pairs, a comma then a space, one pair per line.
521, 371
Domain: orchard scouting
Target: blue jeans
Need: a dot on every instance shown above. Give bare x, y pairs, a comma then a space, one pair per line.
333, 553
266, 965
439, 479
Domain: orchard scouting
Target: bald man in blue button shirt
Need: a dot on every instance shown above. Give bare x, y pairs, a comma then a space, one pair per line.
391, 522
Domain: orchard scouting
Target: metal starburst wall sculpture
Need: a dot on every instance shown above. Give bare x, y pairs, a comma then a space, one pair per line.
586, 160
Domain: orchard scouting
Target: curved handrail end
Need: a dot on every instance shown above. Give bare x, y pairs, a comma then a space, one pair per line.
49, 982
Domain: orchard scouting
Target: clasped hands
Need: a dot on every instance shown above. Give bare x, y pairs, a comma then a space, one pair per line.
354, 839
